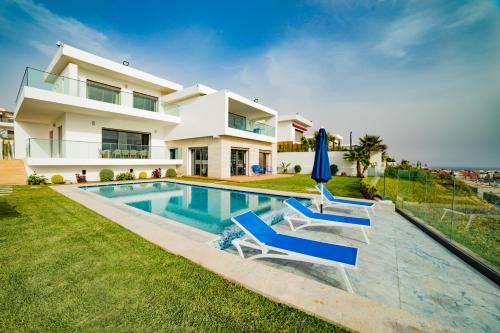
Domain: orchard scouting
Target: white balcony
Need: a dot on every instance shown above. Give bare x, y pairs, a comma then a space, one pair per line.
43, 97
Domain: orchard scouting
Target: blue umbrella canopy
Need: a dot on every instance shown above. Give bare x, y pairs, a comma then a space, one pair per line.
321, 169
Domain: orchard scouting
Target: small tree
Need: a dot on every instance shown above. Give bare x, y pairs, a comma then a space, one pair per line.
359, 156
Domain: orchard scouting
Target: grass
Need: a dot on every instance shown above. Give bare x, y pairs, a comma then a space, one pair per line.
339, 185
65, 268
427, 199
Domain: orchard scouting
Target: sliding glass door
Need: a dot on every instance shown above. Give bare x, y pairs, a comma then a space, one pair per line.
238, 162
124, 144
199, 161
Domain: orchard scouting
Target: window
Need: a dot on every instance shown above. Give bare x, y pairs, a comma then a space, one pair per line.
103, 92
115, 139
145, 102
298, 136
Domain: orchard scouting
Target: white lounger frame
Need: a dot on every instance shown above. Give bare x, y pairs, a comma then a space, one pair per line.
251, 242
311, 222
327, 204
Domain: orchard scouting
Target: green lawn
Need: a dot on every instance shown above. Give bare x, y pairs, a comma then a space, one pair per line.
65, 268
339, 185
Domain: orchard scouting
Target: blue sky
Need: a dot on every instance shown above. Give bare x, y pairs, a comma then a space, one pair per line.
425, 75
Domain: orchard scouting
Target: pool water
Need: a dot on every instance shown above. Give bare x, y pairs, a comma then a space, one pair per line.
206, 208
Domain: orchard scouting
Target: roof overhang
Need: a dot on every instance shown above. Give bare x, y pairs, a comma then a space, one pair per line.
68, 54
297, 118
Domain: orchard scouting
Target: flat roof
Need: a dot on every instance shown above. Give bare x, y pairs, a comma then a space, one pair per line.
296, 117
68, 54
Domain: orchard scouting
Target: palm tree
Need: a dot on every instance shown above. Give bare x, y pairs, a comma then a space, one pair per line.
371, 144
359, 156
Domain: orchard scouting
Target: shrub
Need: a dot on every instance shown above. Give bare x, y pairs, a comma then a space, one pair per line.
334, 169
125, 176
284, 167
171, 172
106, 175
297, 168
57, 179
35, 179
343, 174
143, 175
156, 173
367, 190
81, 178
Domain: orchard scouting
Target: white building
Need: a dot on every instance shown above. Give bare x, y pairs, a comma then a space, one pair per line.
84, 113
291, 128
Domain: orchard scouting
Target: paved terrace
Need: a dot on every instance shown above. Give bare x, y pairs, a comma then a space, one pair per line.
407, 281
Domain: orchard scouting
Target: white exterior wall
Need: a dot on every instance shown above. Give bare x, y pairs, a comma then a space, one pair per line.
286, 132
200, 117
306, 161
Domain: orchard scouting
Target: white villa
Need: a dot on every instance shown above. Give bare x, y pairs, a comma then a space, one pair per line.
291, 128
84, 113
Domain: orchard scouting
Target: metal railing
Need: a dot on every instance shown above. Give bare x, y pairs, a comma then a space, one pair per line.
47, 148
57, 83
6, 120
451, 205
253, 126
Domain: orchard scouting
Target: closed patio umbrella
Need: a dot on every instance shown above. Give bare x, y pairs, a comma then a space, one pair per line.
321, 168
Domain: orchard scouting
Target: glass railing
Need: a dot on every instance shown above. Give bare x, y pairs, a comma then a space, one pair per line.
253, 126
6, 120
47, 148
47, 81
450, 204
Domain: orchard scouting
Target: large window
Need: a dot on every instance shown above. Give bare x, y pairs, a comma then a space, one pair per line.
125, 140
103, 92
145, 102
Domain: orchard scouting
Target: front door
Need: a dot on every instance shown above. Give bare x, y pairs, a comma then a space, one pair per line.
59, 141
199, 161
238, 162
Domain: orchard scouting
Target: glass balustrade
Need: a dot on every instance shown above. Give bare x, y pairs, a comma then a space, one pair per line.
241, 123
46, 148
93, 90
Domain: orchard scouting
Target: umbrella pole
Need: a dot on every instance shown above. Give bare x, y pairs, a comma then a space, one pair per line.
321, 205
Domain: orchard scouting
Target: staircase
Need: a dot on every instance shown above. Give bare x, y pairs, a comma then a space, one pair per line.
12, 172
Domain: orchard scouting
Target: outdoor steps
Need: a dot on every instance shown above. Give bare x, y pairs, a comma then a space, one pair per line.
12, 172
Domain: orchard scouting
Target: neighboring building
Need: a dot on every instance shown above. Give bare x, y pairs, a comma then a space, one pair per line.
85, 113
291, 128
6, 134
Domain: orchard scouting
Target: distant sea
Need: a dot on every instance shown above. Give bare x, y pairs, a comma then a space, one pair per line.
465, 168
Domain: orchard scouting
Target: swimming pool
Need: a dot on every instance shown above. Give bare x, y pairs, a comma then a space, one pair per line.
206, 208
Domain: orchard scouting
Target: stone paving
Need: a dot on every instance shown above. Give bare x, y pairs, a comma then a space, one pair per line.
405, 268
405, 281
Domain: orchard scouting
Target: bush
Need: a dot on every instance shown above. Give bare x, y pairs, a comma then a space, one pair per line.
367, 190
171, 172
334, 169
297, 168
343, 174
35, 179
106, 175
156, 173
125, 176
143, 175
57, 179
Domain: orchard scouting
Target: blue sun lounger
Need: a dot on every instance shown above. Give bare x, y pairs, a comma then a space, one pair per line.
331, 200
309, 218
260, 236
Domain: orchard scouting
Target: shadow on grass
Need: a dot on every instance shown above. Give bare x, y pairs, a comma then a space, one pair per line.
6, 210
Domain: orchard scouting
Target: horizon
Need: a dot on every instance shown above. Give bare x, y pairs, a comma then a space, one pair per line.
424, 77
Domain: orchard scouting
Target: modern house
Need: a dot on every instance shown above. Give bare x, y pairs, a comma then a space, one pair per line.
291, 128
84, 113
